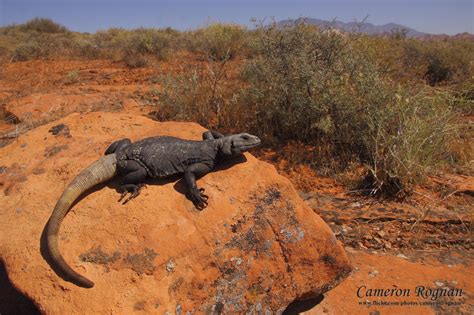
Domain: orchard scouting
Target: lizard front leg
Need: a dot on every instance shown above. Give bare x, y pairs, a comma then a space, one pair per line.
211, 135
196, 194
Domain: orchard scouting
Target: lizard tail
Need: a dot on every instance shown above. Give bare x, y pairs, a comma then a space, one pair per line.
98, 172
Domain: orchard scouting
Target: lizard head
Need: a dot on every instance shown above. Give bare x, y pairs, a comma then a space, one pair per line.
236, 144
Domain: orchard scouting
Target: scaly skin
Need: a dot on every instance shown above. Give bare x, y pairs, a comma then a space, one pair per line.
98, 172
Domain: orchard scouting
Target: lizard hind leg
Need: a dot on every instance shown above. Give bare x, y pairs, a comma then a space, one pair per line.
133, 176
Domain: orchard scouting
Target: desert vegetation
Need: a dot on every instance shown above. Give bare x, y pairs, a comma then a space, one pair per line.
388, 109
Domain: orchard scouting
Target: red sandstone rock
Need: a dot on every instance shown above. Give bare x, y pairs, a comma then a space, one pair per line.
257, 246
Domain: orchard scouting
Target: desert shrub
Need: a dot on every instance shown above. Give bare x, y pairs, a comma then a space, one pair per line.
27, 51
309, 85
217, 41
464, 99
87, 49
34, 45
134, 47
318, 87
72, 77
407, 139
52, 41
143, 41
437, 72
42, 25
201, 94
5, 47
445, 62
439, 61
135, 60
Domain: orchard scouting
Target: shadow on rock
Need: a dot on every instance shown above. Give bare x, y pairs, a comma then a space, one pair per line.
13, 301
297, 307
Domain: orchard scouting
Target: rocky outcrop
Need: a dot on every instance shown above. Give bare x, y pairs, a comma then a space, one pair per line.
257, 247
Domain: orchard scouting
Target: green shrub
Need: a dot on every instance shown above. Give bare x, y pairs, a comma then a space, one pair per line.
311, 86
218, 41
42, 25
134, 47
72, 77
87, 49
147, 42
44, 46
135, 60
27, 51
439, 61
202, 95
407, 139
319, 87
437, 72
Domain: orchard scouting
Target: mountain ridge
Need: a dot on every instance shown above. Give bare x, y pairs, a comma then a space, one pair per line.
362, 27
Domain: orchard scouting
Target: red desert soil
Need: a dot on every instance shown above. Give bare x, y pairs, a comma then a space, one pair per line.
423, 241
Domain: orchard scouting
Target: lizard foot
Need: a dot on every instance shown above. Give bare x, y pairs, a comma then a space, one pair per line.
133, 189
198, 198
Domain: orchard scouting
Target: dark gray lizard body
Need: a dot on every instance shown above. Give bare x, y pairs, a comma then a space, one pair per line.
161, 160
133, 163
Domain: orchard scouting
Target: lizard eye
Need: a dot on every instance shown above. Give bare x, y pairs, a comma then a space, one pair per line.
245, 137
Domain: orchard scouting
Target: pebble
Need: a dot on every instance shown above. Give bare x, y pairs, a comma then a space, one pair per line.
402, 256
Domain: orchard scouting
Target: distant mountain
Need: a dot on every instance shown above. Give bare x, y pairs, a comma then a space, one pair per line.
366, 28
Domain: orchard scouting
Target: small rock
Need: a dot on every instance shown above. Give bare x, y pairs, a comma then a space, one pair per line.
439, 283
50, 151
350, 249
139, 306
38, 171
361, 245
373, 273
60, 130
402, 256
346, 228
170, 266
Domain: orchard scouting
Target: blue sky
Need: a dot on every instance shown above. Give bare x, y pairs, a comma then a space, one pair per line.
431, 16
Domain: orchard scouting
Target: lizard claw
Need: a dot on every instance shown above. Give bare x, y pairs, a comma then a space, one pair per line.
198, 198
134, 191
